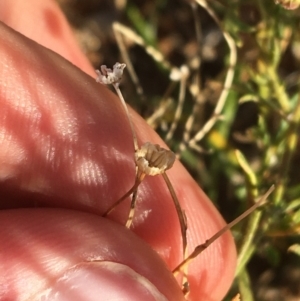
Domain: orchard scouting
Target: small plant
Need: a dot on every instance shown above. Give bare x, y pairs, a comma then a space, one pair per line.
152, 160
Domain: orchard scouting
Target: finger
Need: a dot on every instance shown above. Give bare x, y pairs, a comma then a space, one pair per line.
43, 22
54, 254
66, 139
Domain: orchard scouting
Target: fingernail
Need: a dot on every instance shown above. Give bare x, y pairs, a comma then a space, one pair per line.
103, 280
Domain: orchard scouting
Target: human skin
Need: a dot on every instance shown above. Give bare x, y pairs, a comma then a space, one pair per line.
66, 154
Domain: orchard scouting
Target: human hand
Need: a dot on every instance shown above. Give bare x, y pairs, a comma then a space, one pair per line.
66, 155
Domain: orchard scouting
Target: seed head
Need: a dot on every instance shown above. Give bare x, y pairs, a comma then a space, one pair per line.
152, 159
107, 76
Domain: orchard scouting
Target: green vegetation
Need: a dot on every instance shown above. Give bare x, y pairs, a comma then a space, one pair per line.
239, 112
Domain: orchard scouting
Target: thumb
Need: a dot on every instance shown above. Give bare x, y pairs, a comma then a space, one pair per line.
110, 280
56, 254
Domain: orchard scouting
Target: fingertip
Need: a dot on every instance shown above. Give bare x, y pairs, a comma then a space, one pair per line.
66, 135
110, 280
43, 22
60, 251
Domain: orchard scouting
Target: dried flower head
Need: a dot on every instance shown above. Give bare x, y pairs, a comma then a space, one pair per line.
152, 159
107, 76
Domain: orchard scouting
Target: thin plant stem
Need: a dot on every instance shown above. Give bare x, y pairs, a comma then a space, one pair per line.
246, 249
228, 80
245, 286
118, 29
249, 173
181, 98
195, 87
183, 229
156, 54
243, 260
290, 148
246, 245
159, 112
198, 33
199, 249
180, 213
279, 90
132, 208
135, 143
127, 194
